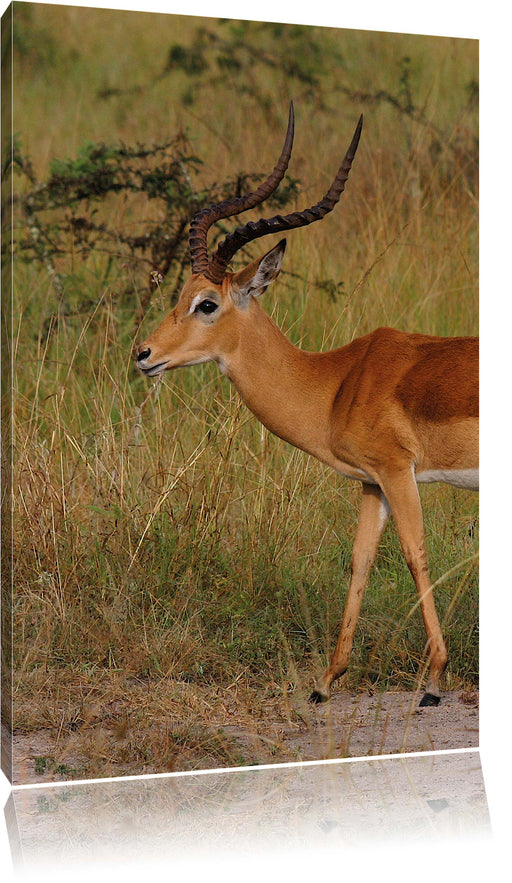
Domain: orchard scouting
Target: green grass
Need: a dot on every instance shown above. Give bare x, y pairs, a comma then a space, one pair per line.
161, 535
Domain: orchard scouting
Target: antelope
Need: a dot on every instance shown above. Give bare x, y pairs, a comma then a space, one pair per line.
390, 409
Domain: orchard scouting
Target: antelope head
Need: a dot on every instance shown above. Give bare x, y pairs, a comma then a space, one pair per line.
205, 324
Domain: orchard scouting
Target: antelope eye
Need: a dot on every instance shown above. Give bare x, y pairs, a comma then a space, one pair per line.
207, 307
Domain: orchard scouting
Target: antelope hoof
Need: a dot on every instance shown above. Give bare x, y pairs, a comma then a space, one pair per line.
429, 699
316, 698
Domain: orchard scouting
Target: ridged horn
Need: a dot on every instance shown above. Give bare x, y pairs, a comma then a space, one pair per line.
216, 268
206, 217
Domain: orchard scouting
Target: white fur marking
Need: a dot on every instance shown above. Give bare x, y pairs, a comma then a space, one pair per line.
197, 300
384, 510
466, 478
357, 474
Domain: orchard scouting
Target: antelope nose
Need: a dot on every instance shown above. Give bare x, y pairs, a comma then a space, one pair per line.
143, 355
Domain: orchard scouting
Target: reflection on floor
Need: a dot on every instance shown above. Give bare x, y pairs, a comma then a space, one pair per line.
181, 818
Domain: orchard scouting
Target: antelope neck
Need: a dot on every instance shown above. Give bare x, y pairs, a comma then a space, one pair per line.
284, 386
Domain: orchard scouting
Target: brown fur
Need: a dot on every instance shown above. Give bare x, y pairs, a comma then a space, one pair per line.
382, 409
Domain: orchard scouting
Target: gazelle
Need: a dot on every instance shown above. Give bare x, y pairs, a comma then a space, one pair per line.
389, 409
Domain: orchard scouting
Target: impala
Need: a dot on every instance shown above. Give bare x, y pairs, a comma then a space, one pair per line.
389, 409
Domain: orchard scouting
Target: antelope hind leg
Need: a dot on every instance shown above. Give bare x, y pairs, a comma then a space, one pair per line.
402, 492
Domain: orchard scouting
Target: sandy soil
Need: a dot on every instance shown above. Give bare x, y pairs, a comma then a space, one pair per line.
347, 726
389, 723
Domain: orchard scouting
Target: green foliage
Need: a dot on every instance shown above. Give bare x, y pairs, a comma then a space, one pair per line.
61, 215
167, 550
40, 764
71, 213
304, 59
247, 50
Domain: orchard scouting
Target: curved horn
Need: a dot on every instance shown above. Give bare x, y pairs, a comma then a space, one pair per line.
254, 229
206, 217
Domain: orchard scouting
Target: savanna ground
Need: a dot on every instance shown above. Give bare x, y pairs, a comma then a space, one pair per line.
178, 574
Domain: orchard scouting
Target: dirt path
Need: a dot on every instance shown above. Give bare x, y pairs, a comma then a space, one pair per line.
347, 726
390, 723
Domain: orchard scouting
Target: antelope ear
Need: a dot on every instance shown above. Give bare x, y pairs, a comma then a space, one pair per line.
254, 279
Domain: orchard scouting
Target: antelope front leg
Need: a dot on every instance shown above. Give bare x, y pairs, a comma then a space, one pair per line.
402, 493
372, 520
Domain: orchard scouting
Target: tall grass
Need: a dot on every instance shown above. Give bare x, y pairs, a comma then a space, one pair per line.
173, 558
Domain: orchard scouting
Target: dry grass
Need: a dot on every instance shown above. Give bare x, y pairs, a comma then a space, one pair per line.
171, 557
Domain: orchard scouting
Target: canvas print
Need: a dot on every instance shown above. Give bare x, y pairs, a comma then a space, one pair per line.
239, 393
288, 814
